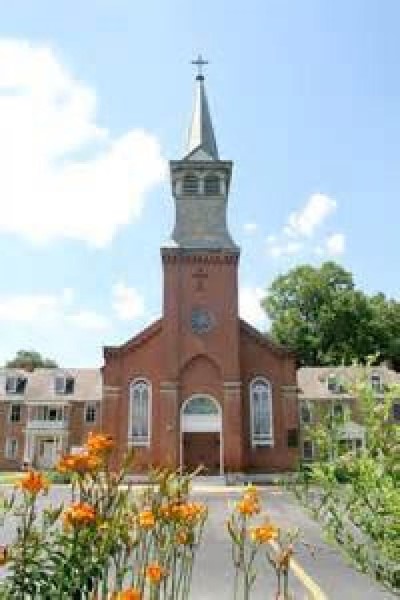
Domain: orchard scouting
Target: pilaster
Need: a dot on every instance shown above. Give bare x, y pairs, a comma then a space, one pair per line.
170, 425
232, 426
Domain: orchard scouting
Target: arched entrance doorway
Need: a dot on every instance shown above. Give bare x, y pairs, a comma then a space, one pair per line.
201, 434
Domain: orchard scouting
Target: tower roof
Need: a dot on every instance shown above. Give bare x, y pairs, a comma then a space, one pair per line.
201, 144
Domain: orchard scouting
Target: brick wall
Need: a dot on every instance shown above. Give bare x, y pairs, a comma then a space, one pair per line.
11, 430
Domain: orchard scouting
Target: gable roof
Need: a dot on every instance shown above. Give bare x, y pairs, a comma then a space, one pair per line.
264, 339
137, 340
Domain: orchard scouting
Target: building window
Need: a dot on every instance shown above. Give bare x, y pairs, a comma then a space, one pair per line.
338, 411
190, 184
49, 413
140, 413
211, 185
351, 445
305, 414
200, 405
55, 414
308, 450
15, 413
333, 384
15, 385
64, 385
90, 413
396, 410
11, 448
376, 383
261, 413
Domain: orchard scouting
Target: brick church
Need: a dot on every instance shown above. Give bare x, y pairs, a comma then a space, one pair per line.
200, 385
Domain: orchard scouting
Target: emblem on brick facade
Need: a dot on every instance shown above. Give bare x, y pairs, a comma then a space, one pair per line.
201, 320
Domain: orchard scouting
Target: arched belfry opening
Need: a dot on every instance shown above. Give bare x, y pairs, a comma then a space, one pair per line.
201, 436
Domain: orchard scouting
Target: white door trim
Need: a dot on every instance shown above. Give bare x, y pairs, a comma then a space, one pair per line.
200, 423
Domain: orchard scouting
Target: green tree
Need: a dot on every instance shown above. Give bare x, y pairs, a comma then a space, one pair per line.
319, 313
30, 360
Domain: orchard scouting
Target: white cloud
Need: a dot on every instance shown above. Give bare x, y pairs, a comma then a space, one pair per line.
302, 226
89, 319
39, 309
249, 305
128, 303
250, 227
304, 222
28, 308
62, 174
335, 244
284, 249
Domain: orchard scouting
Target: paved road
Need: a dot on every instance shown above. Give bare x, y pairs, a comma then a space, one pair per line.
213, 574
338, 581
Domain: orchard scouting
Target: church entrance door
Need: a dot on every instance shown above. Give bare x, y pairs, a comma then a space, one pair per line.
201, 435
201, 449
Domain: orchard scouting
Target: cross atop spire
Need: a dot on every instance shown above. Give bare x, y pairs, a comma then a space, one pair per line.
200, 63
201, 144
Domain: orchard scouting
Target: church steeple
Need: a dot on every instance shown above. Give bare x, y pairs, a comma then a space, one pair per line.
200, 184
201, 144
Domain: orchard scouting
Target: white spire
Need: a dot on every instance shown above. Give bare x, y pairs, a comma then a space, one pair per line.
201, 144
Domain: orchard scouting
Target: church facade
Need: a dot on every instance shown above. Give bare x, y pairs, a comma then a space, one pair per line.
200, 385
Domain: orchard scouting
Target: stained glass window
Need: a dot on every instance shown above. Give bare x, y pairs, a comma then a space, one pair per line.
261, 412
140, 413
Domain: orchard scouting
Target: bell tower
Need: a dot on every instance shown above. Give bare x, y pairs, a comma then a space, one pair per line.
200, 183
200, 268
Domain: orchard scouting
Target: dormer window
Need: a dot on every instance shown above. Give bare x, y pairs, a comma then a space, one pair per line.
376, 383
15, 384
211, 185
333, 384
64, 385
190, 185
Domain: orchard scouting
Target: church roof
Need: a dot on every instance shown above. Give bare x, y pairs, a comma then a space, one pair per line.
201, 144
137, 340
264, 339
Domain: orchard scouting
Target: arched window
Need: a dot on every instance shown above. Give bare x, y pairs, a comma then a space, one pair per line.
200, 405
140, 413
190, 184
261, 413
211, 185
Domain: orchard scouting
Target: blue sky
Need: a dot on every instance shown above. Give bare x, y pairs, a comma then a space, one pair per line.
96, 96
